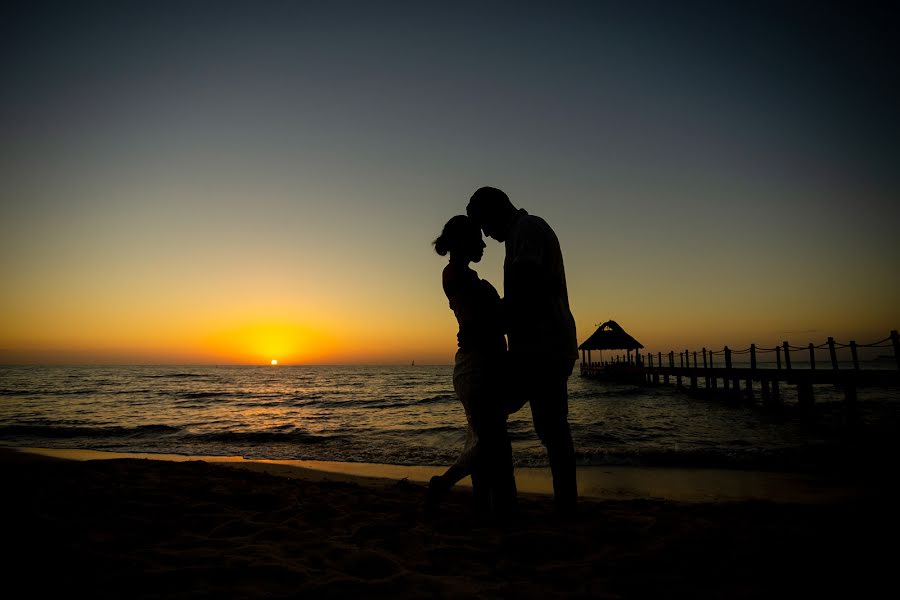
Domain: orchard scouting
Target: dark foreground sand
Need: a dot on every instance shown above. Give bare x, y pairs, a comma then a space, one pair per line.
134, 528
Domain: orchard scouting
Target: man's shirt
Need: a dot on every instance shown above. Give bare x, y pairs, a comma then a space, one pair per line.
536, 298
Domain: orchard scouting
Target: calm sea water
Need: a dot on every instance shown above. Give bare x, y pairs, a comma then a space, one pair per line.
394, 415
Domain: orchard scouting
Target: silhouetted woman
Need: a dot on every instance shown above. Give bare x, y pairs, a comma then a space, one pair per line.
478, 373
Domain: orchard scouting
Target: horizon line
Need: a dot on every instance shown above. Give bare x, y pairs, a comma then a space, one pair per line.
223, 364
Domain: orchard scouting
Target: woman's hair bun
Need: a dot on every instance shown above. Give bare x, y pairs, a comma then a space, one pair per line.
455, 231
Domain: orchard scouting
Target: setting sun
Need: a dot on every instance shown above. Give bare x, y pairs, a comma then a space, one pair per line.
257, 342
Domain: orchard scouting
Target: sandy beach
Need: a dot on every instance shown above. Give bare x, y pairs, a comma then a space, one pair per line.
142, 528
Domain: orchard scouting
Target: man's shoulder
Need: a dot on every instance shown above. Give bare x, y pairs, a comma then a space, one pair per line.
535, 221
530, 225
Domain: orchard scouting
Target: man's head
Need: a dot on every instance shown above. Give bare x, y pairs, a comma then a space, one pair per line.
491, 210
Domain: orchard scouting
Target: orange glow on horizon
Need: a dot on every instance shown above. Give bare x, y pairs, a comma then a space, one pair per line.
257, 343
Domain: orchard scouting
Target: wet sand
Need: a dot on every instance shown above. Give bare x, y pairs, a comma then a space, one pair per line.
601, 483
140, 528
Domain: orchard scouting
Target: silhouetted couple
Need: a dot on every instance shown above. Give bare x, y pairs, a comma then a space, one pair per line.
492, 383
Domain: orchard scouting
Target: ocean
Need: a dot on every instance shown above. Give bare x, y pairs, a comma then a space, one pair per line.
404, 415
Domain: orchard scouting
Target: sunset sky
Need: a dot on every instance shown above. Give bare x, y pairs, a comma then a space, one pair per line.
235, 182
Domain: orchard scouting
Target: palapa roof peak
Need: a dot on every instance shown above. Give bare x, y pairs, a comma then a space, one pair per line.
610, 336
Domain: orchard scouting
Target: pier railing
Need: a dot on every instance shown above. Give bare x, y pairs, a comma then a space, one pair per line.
738, 370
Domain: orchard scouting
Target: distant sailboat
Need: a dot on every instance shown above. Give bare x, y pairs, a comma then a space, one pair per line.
413, 364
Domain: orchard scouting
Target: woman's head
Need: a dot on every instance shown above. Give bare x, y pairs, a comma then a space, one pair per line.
461, 238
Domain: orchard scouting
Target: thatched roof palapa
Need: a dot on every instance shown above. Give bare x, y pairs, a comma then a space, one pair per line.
610, 336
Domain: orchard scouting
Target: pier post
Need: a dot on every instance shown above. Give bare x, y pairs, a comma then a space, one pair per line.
642, 372
805, 387
705, 371
833, 353
776, 394
787, 356
678, 377
658, 367
694, 373
727, 379
671, 366
749, 382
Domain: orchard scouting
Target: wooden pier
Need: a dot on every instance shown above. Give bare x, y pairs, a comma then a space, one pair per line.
731, 374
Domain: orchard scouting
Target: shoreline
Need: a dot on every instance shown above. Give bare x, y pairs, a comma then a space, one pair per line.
676, 484
152, 529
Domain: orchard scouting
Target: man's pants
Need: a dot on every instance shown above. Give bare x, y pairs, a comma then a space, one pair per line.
542, 381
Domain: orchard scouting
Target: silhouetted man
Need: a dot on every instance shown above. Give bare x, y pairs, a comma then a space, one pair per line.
540, 327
